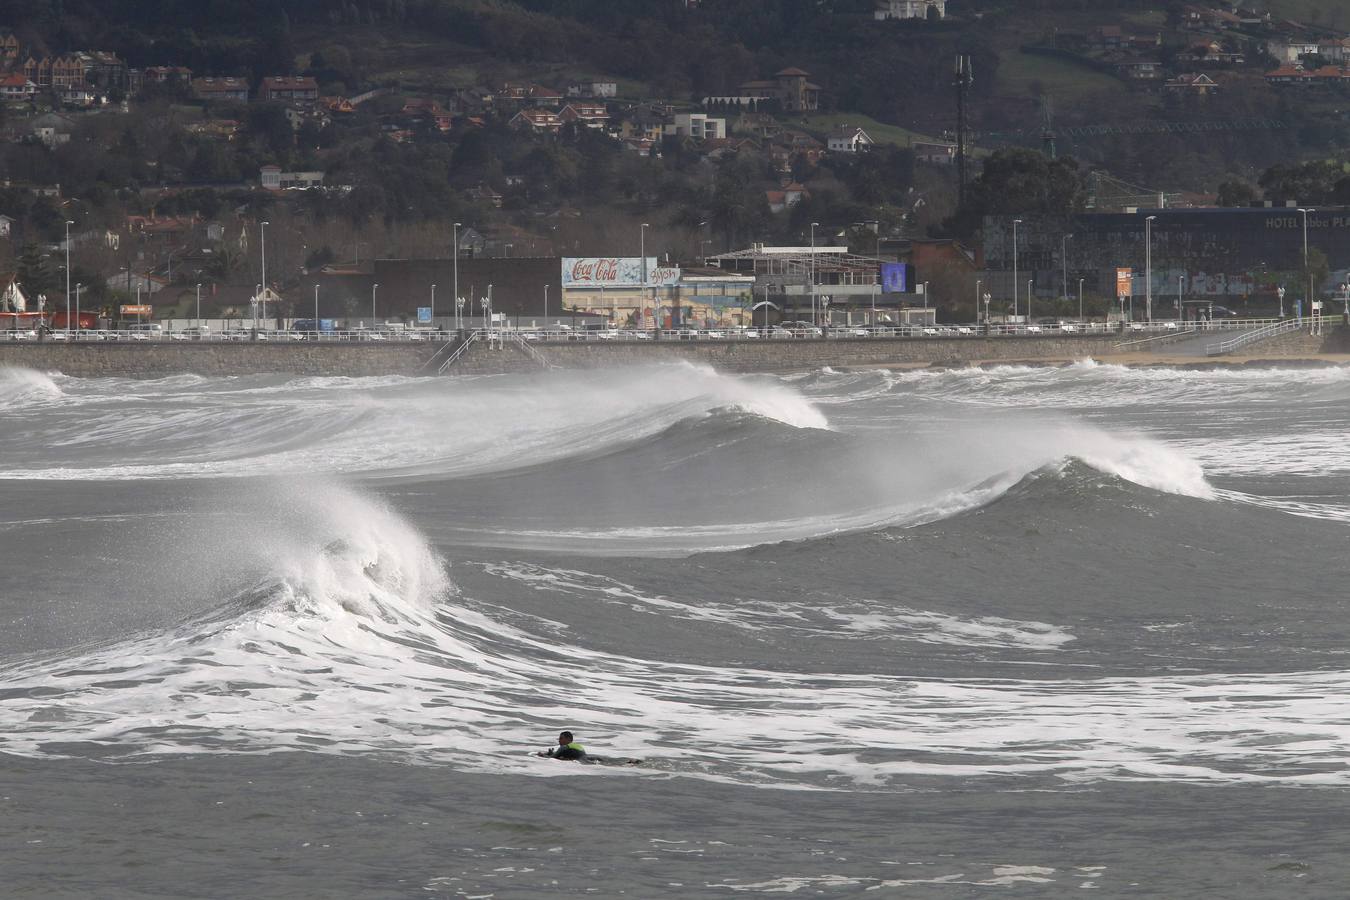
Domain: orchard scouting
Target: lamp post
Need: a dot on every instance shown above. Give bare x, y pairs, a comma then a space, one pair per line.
455, 250
1148, 268
77, 306
546, 306
1080, 300
433, 306
987, 297
1279, 292
1064, 262
316, 312
703, 249
459, 313
978, 285
373, 288
262, 248
1016, 222
68, 224
1181, 279
198, 321
1030, 282
1304, 212
815, 317
925, 295
642, 288
257, 292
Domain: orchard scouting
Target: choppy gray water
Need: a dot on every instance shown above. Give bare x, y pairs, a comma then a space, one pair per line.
1016, 632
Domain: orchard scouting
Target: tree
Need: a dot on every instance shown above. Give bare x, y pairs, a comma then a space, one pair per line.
1019, 182
1236, 192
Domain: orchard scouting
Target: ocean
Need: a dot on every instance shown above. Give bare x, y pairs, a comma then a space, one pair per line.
1007, 632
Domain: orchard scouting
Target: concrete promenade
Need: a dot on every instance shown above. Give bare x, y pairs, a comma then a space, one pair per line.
160, 358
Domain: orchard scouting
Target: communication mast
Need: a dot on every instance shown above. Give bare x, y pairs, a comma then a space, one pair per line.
963, 79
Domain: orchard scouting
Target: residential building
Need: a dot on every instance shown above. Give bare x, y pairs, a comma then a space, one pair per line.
934, 153
6, 225
641, 124
589, 115
9, 49
1291, 50
848, 140
1210, 53
52, 129
289, 89
538, 121
167, 75
273, 179
791, 194
1326, 76
599, 89
1139, 69
17, 86
1198, 84
515, 94
484, 194
789, 87
911, 9
220, 87
695, 125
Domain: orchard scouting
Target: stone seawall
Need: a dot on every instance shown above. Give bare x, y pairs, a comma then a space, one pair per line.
784, 355
157, 359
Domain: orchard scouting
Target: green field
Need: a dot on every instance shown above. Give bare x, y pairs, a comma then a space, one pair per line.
1029, 74
820, 125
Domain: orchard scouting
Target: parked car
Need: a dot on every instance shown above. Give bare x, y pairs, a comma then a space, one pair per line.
1034, 329
23, 334
965, 329
1066, 328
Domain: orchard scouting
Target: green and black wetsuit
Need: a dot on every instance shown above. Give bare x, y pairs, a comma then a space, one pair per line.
572, 751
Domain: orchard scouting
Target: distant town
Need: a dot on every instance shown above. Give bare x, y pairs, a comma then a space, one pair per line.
324, 189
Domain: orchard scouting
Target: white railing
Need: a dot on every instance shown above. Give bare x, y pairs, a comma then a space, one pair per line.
459, 351
1250, 337
530, 338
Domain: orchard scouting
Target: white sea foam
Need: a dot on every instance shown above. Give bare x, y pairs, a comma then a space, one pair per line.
868, 619
351, 641
182, 427
22, 387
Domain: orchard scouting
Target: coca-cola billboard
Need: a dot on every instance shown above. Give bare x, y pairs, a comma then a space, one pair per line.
614, 271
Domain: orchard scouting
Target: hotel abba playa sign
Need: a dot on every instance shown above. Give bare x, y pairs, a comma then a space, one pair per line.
615, 272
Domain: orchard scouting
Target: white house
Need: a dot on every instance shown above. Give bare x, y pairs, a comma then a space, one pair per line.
273, 179
849, 140
696, 125
1290, 50
911, 9
6, 225
11, 298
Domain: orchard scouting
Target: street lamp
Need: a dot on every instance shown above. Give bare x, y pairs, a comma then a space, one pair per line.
642, 288
459, 313
987, 297
262, 247
1064, 261
1148, 267
1016, 222
1080, 299
257, 292
1030, 282
455, 251
68, 224
373, 288
1279, 292
815, 317
1180, 286
316, 312
546, 306
1305, 256
978, 285
77, 306
199, 308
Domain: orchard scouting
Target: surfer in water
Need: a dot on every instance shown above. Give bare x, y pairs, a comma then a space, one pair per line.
567, 749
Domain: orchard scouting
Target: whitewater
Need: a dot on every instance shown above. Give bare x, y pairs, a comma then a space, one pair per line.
1034, 630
